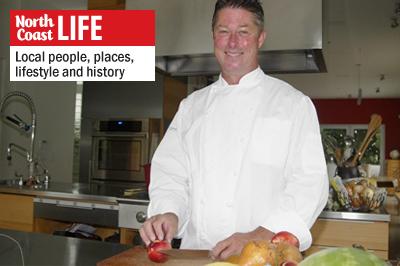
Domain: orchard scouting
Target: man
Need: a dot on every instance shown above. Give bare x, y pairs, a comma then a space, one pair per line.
242, 158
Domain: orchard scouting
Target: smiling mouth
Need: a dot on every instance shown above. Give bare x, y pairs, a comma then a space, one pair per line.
233, 54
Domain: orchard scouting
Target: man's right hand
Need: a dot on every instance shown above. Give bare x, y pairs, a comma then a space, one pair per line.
159, 227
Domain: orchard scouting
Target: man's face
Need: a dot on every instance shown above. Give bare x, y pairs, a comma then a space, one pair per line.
237, 39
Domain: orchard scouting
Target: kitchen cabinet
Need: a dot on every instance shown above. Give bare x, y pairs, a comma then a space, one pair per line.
56, 214
372, 235
392, 172
174, 91
127, 235
16, 212
46, 209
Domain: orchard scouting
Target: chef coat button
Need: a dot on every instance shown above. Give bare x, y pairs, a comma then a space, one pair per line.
235, 174
229, 204
241, 140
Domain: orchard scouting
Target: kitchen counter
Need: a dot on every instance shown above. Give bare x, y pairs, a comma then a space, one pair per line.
43, 249
125, 208
137, 194
360, 216
79, 191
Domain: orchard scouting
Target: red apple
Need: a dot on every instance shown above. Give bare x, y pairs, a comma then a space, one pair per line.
154, 247
287, 237
289, 263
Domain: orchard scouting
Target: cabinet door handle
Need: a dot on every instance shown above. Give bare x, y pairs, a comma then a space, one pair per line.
90, 170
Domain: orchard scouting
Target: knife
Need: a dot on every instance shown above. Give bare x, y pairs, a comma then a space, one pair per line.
186, 253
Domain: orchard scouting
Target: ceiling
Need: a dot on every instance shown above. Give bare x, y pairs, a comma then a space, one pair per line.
361, 50
61, 4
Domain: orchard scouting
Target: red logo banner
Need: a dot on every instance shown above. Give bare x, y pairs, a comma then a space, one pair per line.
82, 28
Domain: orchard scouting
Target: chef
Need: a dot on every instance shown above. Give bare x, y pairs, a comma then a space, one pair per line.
242, 158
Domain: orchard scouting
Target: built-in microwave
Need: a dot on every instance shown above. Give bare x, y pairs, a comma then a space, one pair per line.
121, 148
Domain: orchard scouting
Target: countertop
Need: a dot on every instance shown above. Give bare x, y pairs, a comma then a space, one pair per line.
44, 249
80, 191
360, 216
137, 194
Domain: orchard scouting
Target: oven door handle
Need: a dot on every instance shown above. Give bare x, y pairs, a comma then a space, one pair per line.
74, 206
90, 171
105, 135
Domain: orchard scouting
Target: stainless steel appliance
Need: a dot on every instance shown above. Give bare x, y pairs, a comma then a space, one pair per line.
132, 214
120, 149
77, 211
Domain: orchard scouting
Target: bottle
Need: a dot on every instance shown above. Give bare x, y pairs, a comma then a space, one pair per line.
331, 166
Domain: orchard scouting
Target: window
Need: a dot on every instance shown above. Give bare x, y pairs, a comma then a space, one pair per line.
342, 141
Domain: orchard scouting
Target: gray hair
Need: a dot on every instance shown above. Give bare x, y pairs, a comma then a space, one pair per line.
253, 6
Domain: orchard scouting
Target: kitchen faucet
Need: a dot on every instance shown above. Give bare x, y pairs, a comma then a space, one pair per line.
24, 127
12, 147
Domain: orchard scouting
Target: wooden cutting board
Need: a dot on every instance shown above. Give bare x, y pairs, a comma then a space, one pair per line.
138, 256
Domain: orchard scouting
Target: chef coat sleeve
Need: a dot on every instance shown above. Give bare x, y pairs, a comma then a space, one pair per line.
168, 190
306, 180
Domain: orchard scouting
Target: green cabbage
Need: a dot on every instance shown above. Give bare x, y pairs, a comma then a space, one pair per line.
343, 257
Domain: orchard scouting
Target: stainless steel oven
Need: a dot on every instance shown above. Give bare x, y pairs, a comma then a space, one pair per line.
120, 149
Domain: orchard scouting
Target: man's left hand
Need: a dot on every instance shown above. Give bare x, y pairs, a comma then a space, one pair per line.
234, 244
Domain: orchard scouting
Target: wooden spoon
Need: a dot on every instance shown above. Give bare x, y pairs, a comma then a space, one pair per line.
338, 156
373, 126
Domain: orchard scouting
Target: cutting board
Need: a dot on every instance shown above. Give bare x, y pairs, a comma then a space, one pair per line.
138, 256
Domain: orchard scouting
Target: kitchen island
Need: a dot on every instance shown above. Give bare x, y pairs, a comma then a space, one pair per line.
122, 210
55, 206
44, 249
81, 191
345, 229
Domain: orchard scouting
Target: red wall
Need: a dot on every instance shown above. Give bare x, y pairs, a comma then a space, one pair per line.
346, 111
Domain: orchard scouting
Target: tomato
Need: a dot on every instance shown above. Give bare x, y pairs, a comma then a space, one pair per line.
287, 237
154, 247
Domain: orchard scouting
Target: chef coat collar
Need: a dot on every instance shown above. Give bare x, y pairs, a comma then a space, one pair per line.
248, 80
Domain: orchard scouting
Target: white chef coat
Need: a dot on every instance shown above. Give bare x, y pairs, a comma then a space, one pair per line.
236, 157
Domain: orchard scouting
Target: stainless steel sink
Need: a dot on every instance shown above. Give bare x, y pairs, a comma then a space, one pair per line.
9, 182
18, 183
